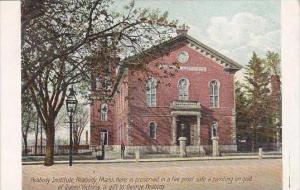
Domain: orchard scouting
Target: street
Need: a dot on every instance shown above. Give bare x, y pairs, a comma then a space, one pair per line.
254, 174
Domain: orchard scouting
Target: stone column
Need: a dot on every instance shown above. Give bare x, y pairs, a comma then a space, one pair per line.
137, 155
260, 153
233, 132
182, 143
215, 146
198, 132
174, 130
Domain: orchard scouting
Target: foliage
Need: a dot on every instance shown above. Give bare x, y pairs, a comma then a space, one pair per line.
256, 106
273, 63
77, 29
29, 118
81, 121
257, 90
67, 42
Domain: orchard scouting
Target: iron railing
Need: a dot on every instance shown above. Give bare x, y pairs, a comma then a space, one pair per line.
58, 150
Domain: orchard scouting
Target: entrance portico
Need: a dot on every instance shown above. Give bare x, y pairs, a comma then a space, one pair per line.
186, 115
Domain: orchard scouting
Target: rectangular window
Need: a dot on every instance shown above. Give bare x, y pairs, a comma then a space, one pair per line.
151, 92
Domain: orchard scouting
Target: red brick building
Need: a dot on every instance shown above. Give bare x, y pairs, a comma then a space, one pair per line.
197, 102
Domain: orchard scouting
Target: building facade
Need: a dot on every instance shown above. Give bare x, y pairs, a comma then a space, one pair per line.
196, 101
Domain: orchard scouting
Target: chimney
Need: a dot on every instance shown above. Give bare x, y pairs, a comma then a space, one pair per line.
275, 84
182, 29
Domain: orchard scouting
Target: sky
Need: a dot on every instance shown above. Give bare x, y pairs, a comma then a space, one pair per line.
235, 28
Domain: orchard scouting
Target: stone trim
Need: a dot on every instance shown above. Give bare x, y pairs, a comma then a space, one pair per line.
178, 113
174, 131
129, 131
152, 149
233, 120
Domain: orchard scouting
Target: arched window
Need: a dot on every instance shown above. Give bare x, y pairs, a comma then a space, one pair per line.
151, 92
103, 112
152, 130
214, 93
214, 129
183, 87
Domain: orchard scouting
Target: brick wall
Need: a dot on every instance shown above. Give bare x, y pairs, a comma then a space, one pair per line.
141, 115
135, 116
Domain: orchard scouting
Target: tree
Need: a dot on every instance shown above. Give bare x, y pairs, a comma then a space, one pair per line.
242, 117
28, 120
81, 121
58, 29
257, 92
36, 134
273, 65
71, 40
242, 103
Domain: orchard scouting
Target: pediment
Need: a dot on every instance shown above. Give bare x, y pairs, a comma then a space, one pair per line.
210, 53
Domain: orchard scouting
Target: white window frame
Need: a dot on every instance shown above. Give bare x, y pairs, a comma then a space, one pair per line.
103, 115
183, 94
213, 103
151, 92
155, 128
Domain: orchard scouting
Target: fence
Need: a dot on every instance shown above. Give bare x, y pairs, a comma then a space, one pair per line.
247, 146
58, 150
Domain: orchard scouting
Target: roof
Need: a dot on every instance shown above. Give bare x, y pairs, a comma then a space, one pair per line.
197, 45
203, 49
231, 63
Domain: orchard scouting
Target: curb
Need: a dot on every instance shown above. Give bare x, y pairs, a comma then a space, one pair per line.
159, 160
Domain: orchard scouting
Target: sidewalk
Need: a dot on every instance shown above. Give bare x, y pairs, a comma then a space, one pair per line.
158, 160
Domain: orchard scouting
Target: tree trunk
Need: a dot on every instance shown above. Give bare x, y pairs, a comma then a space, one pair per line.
25, 145
75, 143
41, 140
76, 146
36, 136
50, 137
253, 139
